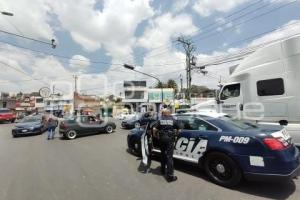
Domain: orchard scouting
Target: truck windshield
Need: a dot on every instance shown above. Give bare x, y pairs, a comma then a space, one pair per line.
230, 91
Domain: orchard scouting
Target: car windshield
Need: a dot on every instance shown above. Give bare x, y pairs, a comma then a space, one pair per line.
238, 124
30, 119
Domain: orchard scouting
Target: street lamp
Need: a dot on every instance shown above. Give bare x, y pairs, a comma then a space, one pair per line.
7, 13
130, 67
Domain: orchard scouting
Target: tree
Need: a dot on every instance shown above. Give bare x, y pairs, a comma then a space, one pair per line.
201, 91
172, 84
161, 85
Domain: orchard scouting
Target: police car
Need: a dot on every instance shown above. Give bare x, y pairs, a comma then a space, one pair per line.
229, 150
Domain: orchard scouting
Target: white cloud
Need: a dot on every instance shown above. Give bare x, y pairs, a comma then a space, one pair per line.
207, 7
79, 62
211, 80
31, 17
179, 5
20, 67
288, 29
164, 28
112, 28
164, 62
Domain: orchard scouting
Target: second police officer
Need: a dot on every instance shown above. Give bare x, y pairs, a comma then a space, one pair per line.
166, 130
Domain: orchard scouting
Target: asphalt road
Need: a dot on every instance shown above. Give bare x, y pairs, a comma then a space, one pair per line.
99, 167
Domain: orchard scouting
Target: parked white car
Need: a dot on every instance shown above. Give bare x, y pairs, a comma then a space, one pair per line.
125, 116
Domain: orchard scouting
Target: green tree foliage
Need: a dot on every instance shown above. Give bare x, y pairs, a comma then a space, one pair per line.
169, 84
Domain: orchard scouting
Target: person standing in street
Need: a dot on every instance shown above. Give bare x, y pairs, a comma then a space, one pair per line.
166, 130
51, 128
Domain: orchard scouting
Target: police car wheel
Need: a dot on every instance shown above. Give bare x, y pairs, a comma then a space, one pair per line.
71, 134
137, 125
109, 129
222, 170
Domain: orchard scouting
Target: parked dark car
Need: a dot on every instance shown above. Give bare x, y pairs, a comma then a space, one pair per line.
230, 149
7, 116
138, 120
30, 125
84, 125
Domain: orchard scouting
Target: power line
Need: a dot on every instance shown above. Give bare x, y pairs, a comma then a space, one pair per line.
18, 70
59, 56
75, 59
211, 34
261, 34
52, 43
15, 27
248, 20
228, 16
240, 55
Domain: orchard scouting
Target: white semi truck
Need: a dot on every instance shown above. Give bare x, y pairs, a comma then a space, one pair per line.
265, 87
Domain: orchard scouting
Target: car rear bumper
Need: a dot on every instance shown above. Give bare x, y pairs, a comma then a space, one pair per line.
272, 177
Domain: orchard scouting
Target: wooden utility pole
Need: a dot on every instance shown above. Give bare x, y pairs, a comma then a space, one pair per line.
189, 50
75, 93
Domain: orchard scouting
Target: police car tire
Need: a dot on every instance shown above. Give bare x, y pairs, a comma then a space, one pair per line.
71, 135
215, 157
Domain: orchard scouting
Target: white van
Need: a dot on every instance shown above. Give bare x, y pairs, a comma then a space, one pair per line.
265, 87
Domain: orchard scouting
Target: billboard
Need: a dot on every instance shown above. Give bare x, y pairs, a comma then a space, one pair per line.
154, 95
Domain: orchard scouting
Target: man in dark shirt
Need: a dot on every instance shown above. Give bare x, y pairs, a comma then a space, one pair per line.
166, 130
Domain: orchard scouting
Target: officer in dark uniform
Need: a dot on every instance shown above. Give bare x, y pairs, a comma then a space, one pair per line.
166, 130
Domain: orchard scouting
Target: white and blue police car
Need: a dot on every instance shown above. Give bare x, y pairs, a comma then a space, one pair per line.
229, 149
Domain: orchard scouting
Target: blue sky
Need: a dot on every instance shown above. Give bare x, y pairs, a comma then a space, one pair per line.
138, 32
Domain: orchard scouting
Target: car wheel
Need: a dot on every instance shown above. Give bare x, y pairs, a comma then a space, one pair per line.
71, 134
13, 120
109, 129
14, 135
137, 125
222, 170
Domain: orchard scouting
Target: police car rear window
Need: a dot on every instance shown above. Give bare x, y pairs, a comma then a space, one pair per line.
239, 124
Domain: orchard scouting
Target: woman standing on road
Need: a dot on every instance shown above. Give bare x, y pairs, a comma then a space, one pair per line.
51, 128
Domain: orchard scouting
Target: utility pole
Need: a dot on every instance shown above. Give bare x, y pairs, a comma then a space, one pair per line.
75, 93
189, 50
181, 85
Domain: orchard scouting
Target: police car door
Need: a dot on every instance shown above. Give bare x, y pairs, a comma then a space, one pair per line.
190, 145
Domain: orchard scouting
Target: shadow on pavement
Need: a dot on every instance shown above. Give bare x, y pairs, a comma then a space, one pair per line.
260, 189
268, 190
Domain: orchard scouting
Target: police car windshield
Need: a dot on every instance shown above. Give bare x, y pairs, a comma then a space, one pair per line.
238, 124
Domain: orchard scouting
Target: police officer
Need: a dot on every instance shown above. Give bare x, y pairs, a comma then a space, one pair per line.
166, 130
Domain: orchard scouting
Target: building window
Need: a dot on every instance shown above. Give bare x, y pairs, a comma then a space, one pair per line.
134, 94
230, 91
135, 84
39, 100
270, 87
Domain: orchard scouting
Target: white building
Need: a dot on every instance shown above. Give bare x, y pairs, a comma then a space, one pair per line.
58, 103
138, 96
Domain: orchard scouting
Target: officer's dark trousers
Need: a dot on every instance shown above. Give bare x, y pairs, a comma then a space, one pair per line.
167, 148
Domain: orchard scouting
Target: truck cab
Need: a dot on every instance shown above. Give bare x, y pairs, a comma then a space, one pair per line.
264, 87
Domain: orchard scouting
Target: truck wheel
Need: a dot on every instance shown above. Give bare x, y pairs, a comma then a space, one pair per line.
222, 170
71, 135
